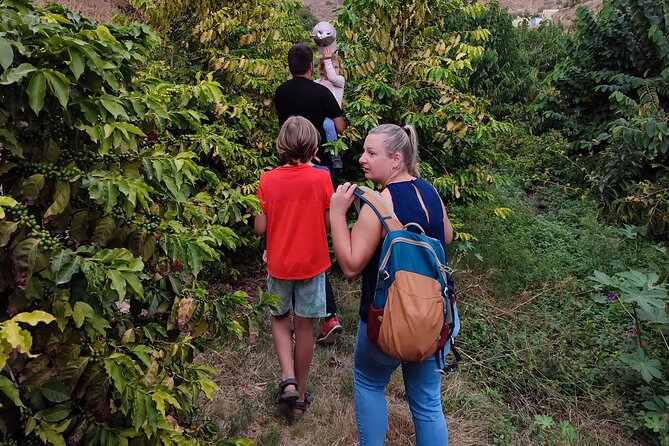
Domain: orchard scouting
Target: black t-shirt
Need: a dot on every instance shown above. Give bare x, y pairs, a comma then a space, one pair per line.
303, 97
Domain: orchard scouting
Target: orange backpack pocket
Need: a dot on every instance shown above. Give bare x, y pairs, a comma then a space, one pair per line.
413, 319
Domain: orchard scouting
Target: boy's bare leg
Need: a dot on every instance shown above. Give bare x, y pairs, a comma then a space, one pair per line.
283, 344
304, 351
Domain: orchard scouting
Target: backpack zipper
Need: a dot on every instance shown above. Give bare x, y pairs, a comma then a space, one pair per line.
382, 266
415, 243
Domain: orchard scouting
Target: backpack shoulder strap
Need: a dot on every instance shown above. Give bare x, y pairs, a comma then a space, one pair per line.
380, 207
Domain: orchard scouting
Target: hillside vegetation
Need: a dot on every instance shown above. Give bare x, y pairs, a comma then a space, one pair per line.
325, 10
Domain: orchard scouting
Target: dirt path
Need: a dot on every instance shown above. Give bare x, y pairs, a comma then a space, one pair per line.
248, 376
323, 10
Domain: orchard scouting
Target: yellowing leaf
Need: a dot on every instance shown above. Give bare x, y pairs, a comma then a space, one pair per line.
7, 202
151, 374
34, 317
185, 312
15, 336
503, 212
465, 236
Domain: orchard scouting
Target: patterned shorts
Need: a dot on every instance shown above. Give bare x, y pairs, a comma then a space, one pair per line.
306, 297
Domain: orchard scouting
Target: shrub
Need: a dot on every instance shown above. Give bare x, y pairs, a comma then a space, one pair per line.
404, 65
105, 222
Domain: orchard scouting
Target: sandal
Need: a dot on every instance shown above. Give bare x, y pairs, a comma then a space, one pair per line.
301, 405
289, 397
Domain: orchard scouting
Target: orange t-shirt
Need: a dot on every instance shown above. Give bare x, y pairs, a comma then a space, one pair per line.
294, 199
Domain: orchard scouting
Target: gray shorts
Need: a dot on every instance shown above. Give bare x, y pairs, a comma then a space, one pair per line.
306, 297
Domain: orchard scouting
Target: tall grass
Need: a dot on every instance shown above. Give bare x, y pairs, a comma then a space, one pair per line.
533, 344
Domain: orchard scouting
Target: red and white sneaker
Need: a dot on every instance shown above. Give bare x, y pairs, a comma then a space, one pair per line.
330, 331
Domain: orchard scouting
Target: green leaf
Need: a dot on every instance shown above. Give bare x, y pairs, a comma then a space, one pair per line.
654, 423
113, 106
151, 413
36, 92
130, 128
599, 298
6, 53
53, 437
567, 431
54, 414
61, 198
646, 366
601, 277
11, 143
118, 377
117, 282
104, 35
59, 86
139, 414
14, 75
64, 265
7, 228
651, 129
77, 64
56, 391
25, 255
9, 389
104, 230
208, 386
34, 317
195, 257
79, 227
81, 311
30, 425
31, 186
74, 368
134, 283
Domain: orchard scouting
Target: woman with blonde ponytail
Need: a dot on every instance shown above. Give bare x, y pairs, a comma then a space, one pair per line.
390, 159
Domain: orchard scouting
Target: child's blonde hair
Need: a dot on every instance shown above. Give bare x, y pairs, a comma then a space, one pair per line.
333, 58
298, 140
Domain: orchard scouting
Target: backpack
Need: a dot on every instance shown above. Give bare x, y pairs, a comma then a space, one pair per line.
413, 314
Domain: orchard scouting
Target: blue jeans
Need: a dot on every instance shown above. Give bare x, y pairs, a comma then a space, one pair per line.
372, 370
330, 131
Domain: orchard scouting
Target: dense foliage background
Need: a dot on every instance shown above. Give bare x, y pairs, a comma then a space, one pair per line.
130, 155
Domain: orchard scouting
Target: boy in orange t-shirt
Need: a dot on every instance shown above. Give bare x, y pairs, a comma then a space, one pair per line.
295, 202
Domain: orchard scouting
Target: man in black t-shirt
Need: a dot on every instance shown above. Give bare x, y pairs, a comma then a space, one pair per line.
301, 96
304, 97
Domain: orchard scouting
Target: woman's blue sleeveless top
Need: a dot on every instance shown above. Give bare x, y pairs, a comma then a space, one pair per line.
408, 209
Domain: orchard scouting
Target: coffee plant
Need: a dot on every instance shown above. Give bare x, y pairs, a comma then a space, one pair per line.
405, 65
244, 45
107, 215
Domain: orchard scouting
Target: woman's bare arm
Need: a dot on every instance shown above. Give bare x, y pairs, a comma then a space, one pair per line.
353, 248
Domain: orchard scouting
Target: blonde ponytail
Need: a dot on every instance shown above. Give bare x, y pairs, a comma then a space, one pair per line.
403, 140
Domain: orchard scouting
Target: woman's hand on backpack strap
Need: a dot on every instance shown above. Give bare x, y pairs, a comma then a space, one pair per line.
342, 198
